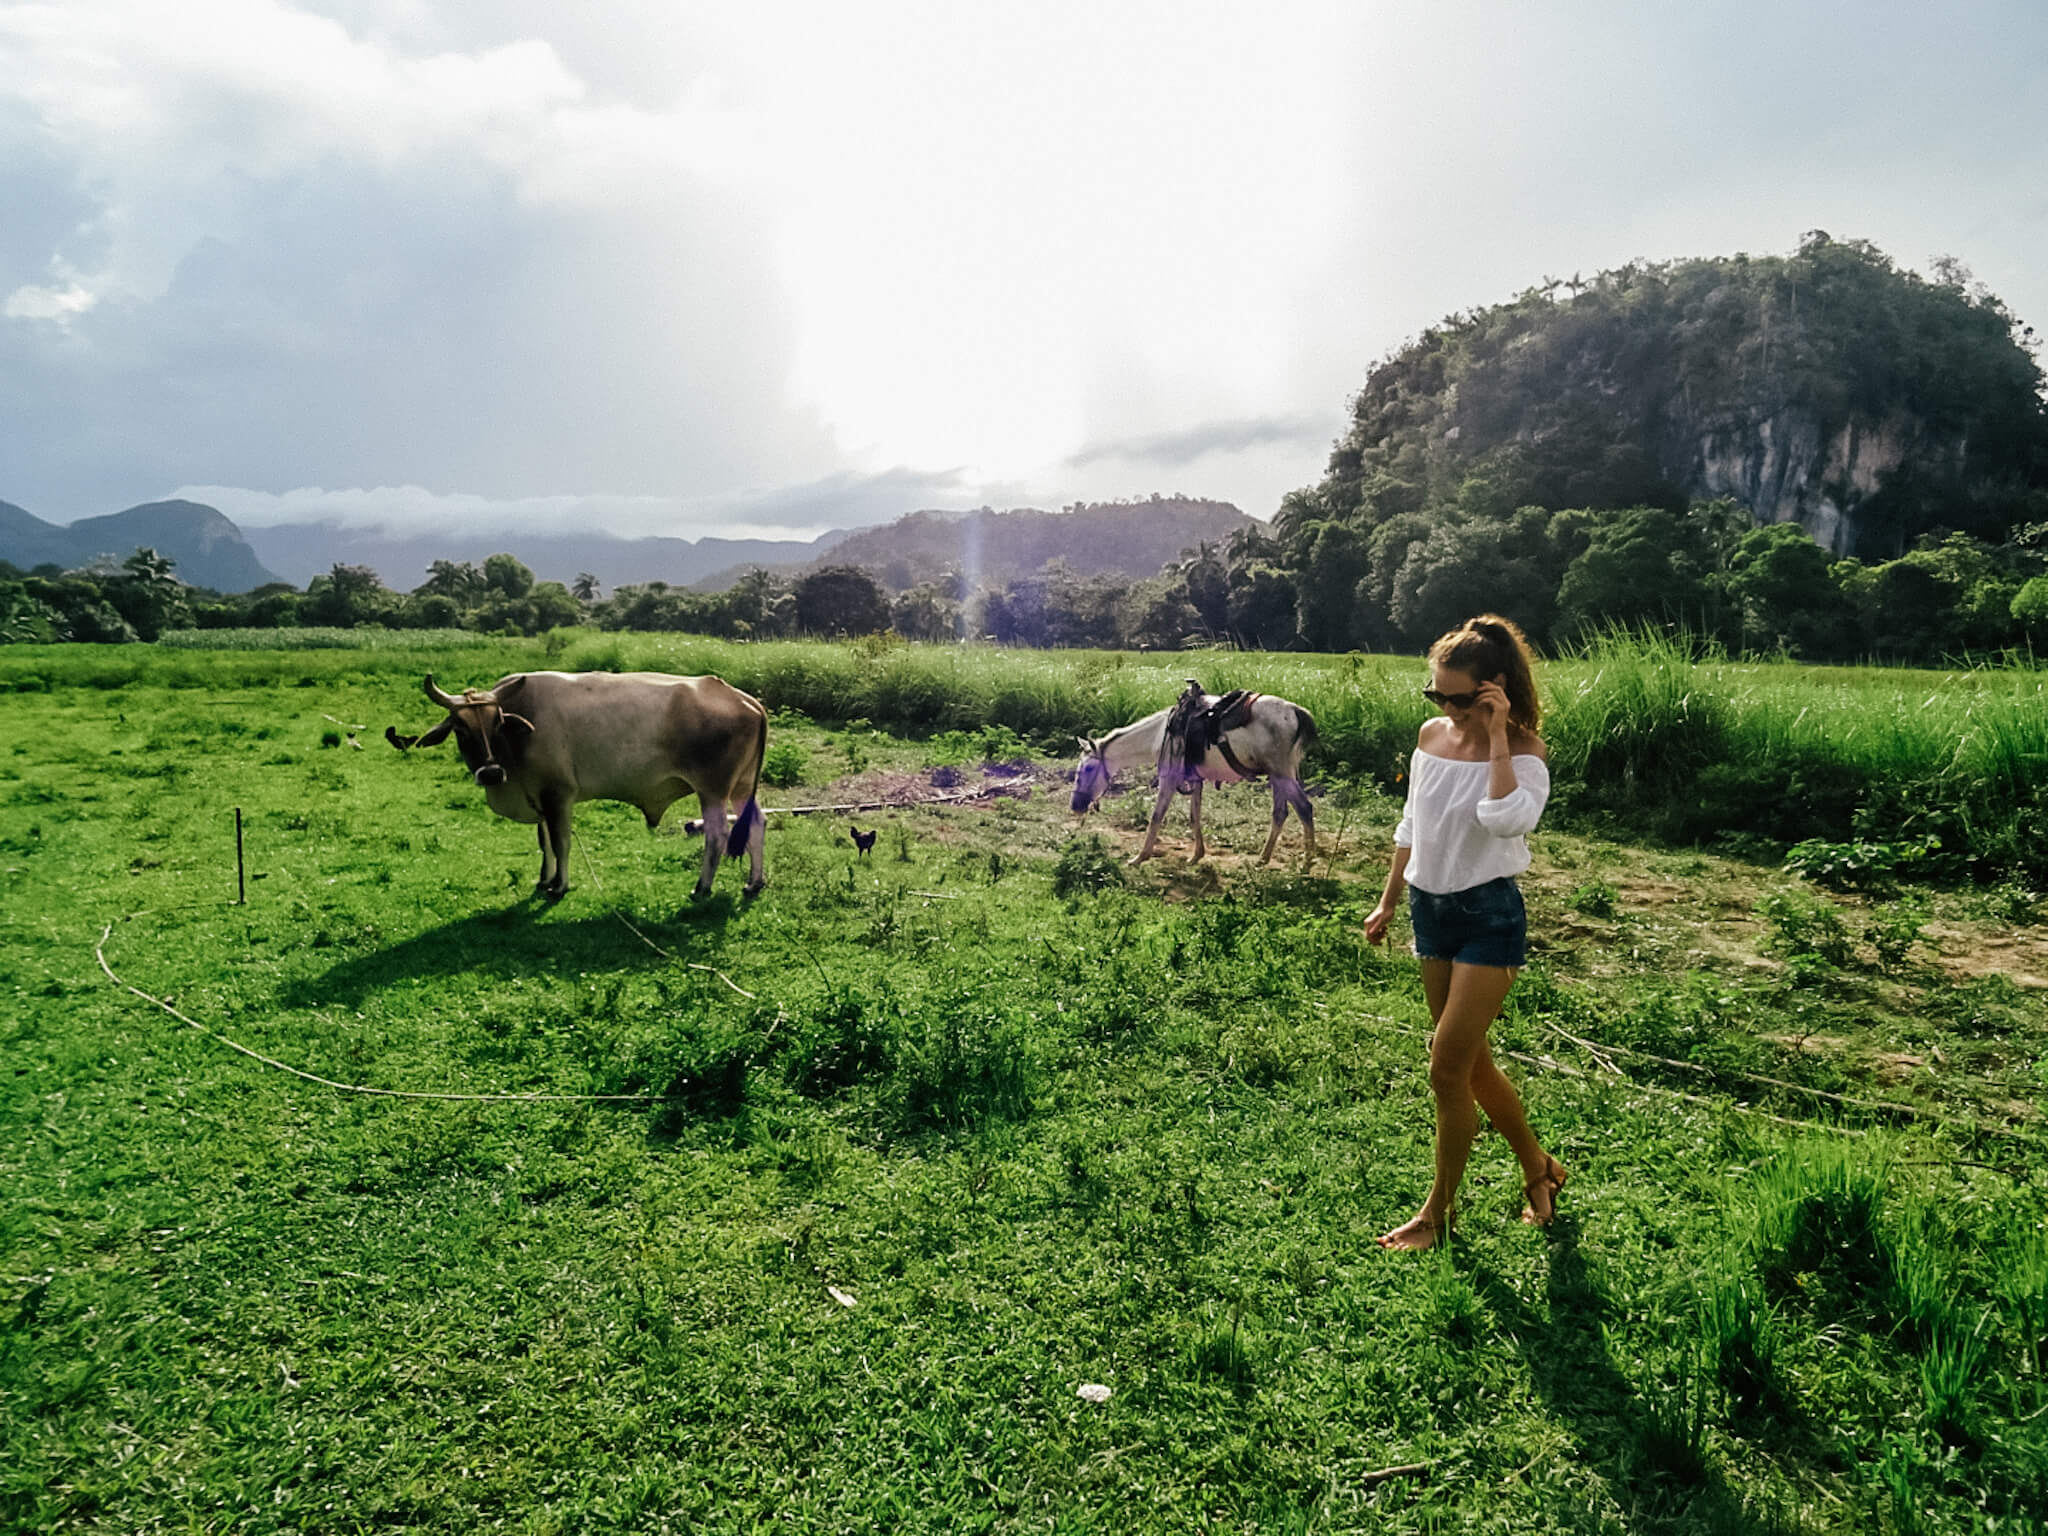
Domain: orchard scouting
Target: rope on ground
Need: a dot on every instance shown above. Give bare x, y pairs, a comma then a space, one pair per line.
1882, 1106
1550, 1064
983, 792
590, 867
100, 953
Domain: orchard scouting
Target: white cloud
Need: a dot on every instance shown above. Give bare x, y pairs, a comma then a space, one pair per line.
31, 303
675, 250
799, 511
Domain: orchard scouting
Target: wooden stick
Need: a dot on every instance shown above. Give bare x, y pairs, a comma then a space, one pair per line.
241, 883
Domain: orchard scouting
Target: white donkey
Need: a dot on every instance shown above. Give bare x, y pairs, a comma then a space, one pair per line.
1269, 737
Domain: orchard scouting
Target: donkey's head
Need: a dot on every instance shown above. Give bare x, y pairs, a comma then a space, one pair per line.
1091, 776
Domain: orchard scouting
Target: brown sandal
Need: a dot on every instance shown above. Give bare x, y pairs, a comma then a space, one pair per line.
1439, 1232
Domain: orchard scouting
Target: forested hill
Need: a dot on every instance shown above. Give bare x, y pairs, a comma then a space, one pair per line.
207, 549
1829, 388
1132, 539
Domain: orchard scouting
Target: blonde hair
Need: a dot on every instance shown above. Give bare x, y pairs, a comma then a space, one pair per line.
1491, 646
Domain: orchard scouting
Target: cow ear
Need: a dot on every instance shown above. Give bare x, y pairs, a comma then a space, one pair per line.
438, 734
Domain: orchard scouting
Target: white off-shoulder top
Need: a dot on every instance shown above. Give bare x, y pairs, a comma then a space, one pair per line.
1457, 835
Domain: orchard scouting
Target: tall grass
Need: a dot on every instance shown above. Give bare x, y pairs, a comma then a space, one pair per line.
1644, 733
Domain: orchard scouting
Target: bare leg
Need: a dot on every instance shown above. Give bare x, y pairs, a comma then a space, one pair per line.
714, 844
1195, 817
1470, 1005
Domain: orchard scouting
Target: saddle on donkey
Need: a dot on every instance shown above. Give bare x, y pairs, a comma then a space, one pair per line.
1195, 726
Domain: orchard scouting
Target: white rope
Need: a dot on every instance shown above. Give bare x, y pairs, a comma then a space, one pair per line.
100, 953
590, 868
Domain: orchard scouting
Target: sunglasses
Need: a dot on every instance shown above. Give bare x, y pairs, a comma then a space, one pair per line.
1450, 700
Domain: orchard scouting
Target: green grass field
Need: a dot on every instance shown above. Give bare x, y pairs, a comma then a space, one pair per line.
876, 1171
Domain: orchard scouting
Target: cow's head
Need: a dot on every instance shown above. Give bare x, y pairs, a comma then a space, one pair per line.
487, 734
1091, 777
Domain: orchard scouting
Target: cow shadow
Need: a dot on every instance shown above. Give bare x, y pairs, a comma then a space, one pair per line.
1565, 1347
514, 942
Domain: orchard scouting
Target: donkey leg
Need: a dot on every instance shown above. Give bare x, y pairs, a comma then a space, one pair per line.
1158, 819
1307, 811
1279, 818
1195, 818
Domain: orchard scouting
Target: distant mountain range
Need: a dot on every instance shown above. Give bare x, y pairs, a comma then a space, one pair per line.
207, 549
301, 551
1130, 539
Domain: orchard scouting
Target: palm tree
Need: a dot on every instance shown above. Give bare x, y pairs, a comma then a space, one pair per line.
585, 588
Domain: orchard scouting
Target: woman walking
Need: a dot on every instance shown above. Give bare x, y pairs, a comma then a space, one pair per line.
1476, 787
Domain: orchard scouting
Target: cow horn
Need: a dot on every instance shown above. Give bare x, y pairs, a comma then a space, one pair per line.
446, 701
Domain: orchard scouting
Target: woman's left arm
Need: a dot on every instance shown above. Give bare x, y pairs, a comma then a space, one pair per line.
1514, 802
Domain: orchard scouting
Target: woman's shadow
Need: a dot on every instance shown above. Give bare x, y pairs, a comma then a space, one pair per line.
1578, 1381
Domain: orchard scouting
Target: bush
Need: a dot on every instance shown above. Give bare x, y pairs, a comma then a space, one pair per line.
1858, 866
1806, 928
785, 764
1086, 865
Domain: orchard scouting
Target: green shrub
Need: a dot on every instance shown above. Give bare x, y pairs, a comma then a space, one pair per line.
785, 764
1595, 898
963, 1061
1806, 928
1893, 929
1086, 865
1744, 1340
1818, 1216
1858, 866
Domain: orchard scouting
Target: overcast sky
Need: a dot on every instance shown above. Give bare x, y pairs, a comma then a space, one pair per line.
761, 269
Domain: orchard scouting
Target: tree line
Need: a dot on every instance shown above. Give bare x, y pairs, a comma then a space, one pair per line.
1565, 576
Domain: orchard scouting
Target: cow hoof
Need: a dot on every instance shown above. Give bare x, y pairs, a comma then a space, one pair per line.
700, 892
754, 889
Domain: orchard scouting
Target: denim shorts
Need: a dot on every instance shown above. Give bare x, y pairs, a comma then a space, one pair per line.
1484, 925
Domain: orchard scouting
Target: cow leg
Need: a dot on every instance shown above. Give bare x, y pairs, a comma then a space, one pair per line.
1166, 789
1195, 819
547, 857
1281, 799
554, 831
714, 845
757, 854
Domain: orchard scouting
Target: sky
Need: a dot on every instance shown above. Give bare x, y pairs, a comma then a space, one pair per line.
762, 270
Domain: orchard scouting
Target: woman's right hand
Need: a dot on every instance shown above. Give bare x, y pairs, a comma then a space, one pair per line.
1376, 922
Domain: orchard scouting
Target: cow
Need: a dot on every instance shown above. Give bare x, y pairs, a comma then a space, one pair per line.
538, 742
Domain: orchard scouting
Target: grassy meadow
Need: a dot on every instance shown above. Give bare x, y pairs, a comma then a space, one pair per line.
814, 1213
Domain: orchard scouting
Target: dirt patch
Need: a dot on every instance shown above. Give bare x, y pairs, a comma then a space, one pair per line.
885, 788
2020, 956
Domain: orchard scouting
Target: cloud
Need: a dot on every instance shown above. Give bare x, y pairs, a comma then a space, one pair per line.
843, 500
528, 253
1173, 450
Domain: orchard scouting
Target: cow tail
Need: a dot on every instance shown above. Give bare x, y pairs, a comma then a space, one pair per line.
750, 817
